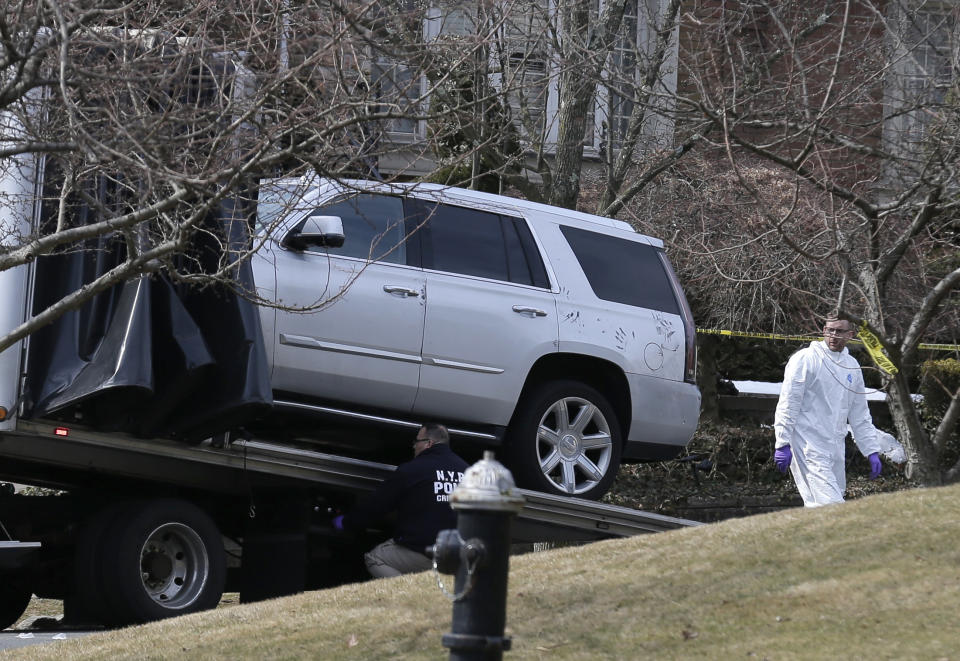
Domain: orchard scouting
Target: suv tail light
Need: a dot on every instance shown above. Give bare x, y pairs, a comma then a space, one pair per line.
689, 330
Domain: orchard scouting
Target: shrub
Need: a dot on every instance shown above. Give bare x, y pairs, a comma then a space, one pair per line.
939, 380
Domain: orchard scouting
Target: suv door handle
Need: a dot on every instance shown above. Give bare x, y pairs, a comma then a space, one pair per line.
402, 291
533, 312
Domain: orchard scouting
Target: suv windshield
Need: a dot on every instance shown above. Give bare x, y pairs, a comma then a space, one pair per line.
277, 198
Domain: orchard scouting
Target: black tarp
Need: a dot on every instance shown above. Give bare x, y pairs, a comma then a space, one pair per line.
149, 357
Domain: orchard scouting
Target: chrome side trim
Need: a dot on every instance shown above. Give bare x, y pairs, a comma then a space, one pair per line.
463, 366
377, 418
313, 343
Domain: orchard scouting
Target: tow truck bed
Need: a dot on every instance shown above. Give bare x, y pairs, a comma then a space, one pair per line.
76, 457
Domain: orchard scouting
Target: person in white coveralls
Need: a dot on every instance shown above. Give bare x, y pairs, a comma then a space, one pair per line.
823, 393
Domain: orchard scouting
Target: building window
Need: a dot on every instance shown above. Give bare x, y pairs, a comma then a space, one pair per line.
522, 60
528, 85
617, 94
923, 70
399, 90
622, 77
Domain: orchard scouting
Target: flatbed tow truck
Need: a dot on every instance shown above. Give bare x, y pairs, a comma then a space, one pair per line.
121, 407
247, 487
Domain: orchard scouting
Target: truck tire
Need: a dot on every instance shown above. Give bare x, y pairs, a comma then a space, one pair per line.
87, 602
565, 439
161, 558
14, 599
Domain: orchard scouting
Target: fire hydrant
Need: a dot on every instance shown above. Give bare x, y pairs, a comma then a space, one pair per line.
478, 552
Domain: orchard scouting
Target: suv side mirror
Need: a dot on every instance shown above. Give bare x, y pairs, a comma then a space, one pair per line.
316, 231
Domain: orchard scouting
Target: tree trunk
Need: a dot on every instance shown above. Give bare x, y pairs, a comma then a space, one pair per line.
584, 53
575, 101
922, 460
707, 378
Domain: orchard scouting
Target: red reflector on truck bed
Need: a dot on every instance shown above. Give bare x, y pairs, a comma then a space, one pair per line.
61, 431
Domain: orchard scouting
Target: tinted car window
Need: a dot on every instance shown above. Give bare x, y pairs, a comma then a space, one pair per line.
489, 245
622, 271
532, 270
518, 270
373, 227
467, 241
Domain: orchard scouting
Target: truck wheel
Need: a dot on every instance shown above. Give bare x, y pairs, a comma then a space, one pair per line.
164, 558
14, 599
565, 440
88, 603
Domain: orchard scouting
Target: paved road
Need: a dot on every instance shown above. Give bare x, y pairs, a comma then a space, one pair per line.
40, 629
11, 639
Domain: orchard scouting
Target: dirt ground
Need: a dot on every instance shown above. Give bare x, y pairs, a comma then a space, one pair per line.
727, 471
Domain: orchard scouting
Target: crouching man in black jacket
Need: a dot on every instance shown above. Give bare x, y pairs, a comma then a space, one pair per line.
419, 492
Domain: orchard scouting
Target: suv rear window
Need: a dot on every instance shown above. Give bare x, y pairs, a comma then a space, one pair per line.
622, 271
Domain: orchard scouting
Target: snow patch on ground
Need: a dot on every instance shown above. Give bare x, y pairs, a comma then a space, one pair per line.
766, 388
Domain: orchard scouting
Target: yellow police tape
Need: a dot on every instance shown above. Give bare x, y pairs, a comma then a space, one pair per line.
872, 343
807, 338
759, 336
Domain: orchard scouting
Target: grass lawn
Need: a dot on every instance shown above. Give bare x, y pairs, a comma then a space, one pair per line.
875, 578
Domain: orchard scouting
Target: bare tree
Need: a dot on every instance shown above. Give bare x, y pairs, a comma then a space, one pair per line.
854, 100
136, 123
561, 91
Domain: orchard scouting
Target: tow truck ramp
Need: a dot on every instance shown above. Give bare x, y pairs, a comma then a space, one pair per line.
544, 517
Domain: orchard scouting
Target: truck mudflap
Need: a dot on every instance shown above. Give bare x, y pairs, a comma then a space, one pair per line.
150, 357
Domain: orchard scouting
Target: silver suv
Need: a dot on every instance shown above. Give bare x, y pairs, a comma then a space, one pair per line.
561, 336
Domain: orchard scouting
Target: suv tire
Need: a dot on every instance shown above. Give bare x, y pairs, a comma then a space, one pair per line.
565, 439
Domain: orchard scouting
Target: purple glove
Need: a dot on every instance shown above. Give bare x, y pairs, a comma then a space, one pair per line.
782, 457
875, 466
338, 522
